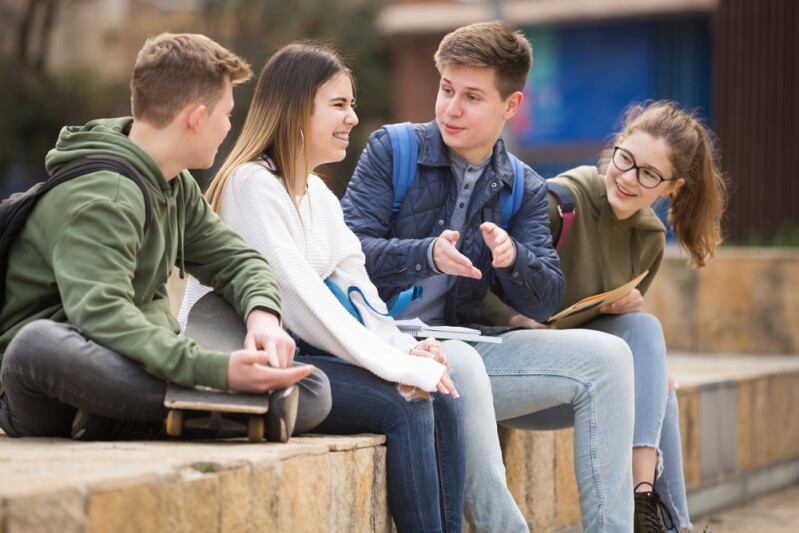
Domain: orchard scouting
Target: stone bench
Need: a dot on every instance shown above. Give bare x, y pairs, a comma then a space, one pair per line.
740, 437
312, 483
739, 430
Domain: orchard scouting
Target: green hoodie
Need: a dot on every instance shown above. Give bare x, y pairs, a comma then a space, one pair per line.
84, 249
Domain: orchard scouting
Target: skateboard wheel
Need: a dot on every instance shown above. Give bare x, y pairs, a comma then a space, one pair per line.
174, 423
255, 428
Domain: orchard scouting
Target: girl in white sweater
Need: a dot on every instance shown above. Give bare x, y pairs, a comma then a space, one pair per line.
381, 379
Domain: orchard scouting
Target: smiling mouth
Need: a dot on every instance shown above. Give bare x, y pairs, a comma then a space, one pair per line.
344, 137
623, 191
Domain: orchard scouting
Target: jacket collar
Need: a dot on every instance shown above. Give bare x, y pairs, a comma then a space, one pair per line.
434, 153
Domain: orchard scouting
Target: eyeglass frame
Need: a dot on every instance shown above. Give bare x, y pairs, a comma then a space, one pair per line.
637, 168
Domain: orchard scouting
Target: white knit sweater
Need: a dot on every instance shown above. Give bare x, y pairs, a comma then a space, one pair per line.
304, 253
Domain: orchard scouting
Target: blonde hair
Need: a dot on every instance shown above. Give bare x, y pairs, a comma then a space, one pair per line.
280, 110
493, 45
175, 70
698, 206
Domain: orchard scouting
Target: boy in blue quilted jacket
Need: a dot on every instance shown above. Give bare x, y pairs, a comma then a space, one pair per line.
448, 237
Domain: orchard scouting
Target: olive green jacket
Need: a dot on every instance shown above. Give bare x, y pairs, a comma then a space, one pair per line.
83, 257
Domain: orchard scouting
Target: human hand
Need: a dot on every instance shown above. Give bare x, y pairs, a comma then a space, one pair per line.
264, 333
632, 303
500, 244
449, 260
431, 348
247, 372
673, 385
444, 386
522, 321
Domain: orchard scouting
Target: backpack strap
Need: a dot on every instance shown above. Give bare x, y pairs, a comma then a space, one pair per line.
509, 203
397, 304
97, 162
406, 153
565, 208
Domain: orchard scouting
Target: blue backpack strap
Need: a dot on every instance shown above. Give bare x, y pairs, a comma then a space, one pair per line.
565, 208
344, 300
397, 304
509, 203
406, 152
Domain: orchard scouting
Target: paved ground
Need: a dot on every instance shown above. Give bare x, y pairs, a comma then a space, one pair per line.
772, 513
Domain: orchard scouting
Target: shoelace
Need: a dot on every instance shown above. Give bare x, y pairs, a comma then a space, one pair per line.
652, 517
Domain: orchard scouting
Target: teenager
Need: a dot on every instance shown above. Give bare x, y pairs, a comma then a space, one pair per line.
94, 362
382, 381
447, 237
661, 152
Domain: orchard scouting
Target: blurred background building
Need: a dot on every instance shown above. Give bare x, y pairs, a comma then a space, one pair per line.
734, 61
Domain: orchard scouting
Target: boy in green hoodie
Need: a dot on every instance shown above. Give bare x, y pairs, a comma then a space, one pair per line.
86, 336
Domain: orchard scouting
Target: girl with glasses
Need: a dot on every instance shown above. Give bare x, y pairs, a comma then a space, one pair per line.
661, 152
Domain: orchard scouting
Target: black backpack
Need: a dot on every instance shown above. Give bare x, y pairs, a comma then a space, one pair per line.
14, 210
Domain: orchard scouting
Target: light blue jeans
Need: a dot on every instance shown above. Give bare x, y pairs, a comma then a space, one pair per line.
545, 379
657, 421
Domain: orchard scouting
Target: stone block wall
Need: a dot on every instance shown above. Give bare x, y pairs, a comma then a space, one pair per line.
745, 301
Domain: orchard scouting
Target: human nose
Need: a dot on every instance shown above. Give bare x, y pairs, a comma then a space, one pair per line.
352, 117
630, 176
453, 107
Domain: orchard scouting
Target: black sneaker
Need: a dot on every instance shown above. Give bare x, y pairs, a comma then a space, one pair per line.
649, 512
86, 426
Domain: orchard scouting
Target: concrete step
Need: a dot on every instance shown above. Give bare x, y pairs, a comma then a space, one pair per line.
739, 430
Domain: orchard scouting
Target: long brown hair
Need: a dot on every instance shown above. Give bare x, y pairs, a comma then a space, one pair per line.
698, 206
280, 110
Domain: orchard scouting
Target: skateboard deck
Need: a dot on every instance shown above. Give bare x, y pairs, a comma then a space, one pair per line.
215, 325
206, 399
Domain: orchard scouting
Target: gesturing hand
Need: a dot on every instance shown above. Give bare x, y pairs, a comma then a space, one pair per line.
449, 260
498, 241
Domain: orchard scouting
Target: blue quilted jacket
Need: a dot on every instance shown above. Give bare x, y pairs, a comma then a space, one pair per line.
396, 253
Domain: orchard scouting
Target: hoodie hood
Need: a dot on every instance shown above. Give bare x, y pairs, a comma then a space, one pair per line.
110, 136
104, 136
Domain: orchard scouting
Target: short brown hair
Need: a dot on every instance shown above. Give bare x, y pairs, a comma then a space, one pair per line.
174, 70
492, 45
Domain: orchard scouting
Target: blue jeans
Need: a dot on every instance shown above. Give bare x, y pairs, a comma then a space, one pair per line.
425, 459
50, 369
544, 379
657, 423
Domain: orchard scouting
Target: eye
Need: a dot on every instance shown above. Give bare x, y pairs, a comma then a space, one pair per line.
473, 98
651, 174
625, 157
446, 90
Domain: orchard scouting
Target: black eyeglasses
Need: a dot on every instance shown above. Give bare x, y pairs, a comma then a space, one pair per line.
649, 178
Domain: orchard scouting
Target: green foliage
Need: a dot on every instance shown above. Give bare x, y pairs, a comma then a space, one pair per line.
785, 236
256, 29
43, 104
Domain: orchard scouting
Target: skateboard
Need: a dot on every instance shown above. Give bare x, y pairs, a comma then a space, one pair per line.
215, 325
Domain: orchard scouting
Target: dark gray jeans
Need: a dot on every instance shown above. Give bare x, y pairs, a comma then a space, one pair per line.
51, 369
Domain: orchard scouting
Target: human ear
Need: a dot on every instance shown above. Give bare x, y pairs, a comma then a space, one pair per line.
674, 188
194, 116
512, 104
